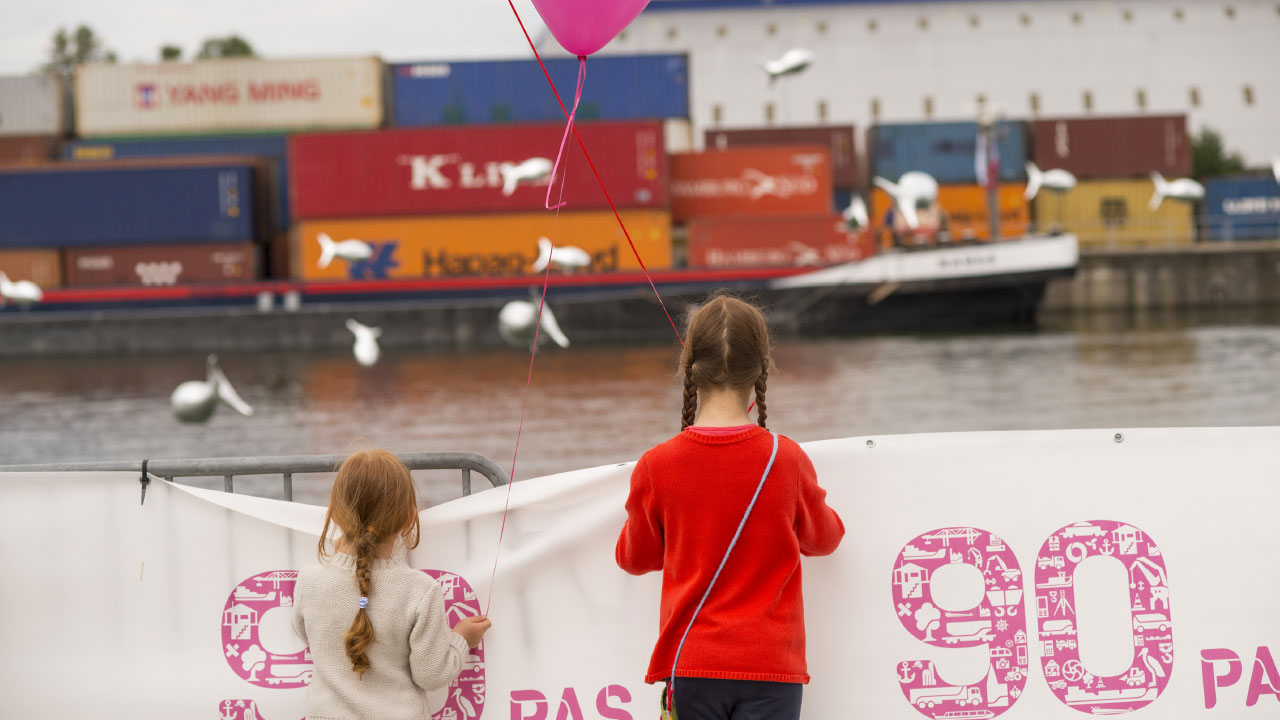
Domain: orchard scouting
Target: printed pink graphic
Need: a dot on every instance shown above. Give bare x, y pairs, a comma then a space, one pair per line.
997, 622
243, 651
1152, 664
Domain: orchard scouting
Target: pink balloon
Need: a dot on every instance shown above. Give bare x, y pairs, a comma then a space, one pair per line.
584, 26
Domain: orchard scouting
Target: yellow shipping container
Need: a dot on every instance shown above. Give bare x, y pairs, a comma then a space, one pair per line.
481, 245
1115, 213
42, 267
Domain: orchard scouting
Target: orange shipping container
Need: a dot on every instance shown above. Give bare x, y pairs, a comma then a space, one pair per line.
793, 180
42, 267
481, 245
964, 208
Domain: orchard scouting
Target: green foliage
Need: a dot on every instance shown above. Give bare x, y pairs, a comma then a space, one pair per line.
170, 53
70, 49
1209, 157
224, 47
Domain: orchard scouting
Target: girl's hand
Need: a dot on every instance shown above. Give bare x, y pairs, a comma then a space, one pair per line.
472, 629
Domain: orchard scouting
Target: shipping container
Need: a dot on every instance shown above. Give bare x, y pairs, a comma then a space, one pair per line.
1113, 147
31, 105
791, 180
1241, 208
838, 139
1115, 213
19, 150
482, 92
227, 95
42, 267
161, 264
774, 241
963, 213
273, 149
482, 245
129, 202
944, 150
480, 169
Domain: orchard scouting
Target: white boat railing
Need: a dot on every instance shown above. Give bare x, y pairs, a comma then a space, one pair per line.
284, 465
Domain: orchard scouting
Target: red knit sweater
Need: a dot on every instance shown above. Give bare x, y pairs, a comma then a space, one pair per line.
687, 497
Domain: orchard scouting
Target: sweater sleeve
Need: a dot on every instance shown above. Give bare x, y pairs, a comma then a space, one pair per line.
818, 527
640, 546
436, 653
299, 626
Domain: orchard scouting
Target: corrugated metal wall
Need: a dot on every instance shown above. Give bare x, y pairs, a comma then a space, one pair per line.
943, 150
31, 105
1241, 208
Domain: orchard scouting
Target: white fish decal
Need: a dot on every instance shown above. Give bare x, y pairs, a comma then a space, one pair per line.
791, 62
517, 319
1184, 189
566, 256
911, 190
1056, 180
195, 400
530, 172
856, 214
23, 293
1275, 167
350, 250
366, 347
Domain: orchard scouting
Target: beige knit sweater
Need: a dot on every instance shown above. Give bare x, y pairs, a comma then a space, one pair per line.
413, 649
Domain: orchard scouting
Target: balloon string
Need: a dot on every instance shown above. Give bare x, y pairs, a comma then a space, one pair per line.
524, 400
597, 174
577, 97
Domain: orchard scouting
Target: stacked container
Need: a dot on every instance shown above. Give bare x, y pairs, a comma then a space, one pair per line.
1241, 208
948, 152
458, 202
31, 126
1113, 159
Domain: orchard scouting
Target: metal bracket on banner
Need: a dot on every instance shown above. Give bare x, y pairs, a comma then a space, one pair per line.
145, 480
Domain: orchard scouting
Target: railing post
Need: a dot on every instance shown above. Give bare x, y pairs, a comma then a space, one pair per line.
288, 486
466, 481
226, 484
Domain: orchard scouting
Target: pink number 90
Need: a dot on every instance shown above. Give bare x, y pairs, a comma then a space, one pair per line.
997, 622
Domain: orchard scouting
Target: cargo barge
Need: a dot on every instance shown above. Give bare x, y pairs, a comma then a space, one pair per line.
981, 285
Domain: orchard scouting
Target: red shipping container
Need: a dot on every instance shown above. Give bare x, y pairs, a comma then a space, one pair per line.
161, 264
792, 180
775, 241
27, 150
1113, 147
838, 139
473, 169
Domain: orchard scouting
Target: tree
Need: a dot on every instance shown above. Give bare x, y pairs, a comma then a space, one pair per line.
223, 47
1209, 157
170, 53
76, 48
928, 618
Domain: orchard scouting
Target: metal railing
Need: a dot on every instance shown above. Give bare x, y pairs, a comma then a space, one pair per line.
284, 465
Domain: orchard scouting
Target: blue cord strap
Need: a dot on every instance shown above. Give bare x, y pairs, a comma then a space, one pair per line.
671, 684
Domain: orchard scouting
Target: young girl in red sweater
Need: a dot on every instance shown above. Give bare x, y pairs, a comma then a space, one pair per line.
738, 570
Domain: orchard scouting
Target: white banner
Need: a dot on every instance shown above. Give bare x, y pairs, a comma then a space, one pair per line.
228, 95
1024, 575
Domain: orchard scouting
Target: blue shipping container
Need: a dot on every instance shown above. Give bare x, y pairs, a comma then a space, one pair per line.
617, 87
84, 206
272, 148
1241, 209
944, 150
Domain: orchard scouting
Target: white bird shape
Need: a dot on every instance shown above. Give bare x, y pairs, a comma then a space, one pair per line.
530, 172
23, 293
911, 189
566, 256
195, 400
856, 214
351, 250
1184, 189
1056, 180
791, 62
366, 346
517, 319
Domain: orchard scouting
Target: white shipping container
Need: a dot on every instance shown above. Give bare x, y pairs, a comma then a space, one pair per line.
31, 105
229, 95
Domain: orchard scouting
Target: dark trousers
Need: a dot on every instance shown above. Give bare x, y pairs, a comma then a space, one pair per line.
709, 699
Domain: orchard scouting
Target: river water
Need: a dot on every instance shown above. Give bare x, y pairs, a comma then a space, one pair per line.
595, 405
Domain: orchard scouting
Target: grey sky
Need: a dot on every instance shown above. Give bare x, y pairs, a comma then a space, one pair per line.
394, 29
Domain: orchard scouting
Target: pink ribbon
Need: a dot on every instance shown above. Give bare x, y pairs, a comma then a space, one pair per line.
568, 128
